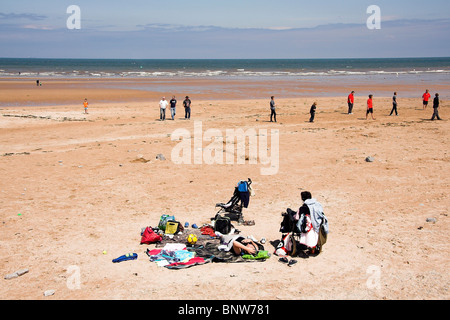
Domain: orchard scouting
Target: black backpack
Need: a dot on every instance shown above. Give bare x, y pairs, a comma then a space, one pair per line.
288, 224
222, 224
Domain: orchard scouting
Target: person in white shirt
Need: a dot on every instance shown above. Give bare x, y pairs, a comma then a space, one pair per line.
162, 109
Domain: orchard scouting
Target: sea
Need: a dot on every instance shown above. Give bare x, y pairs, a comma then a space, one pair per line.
222, 68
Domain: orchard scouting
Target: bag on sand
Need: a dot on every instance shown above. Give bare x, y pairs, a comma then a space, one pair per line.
222, 224
173, 227
163, 221
150, 236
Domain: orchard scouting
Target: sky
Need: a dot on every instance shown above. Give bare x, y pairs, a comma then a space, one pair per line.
141, 29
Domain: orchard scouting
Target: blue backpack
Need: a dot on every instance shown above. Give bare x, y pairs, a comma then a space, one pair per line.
243, 186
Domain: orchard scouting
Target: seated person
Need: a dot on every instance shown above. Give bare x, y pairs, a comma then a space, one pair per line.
310, 219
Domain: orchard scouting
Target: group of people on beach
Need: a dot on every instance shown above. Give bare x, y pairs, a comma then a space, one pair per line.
425, 97
163, 104
351, 100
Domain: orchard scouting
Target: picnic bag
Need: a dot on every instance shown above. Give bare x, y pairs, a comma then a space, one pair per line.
150, 236
222, 224
163, 221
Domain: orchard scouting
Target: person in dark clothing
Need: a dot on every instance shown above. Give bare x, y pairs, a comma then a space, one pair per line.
436, 107
394, 104
312, 111
272, 109
187, 108
173, 105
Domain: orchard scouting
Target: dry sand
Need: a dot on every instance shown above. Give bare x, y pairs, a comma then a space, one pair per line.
71, 188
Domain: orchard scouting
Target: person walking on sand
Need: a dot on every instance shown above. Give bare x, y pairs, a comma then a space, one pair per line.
350, 101
162, 109
187, 108
436, 107
370, 107
273, 113
394, 105
173, 104
425, 97
85, 105
312, 111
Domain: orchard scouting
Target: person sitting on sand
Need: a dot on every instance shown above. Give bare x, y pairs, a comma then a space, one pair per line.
310, 221
370, 107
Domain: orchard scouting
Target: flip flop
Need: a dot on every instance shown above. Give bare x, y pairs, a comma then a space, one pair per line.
284, 260
292, 262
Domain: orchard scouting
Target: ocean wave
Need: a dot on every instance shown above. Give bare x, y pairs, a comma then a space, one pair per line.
236, 73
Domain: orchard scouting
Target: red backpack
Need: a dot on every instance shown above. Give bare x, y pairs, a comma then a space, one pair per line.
150, 236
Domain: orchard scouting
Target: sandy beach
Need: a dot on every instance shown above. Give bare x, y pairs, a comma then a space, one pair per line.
76, 189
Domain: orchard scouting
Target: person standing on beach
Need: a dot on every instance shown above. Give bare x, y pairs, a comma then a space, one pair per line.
394, 104
187, 108
162, 109
436, 107
312, 111
350, 101
425, 97
272, 109
173, 104
85, 105
370, 107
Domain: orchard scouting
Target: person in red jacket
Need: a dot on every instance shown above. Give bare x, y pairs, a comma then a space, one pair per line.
350, 101
370, 107
425, 97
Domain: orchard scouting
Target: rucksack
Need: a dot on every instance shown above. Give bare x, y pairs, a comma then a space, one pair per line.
288, 224
150, 236
222, 224
163, 221
243, 186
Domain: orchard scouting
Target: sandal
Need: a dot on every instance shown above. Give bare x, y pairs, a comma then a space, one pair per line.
284, 260
292, 262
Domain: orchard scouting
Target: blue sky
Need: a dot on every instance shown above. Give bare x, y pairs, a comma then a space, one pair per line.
224, 29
